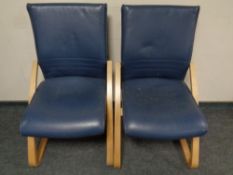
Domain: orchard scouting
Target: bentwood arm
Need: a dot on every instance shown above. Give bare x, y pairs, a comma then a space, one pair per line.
33, 81
193, 82
117, 117
35, 154
192, 154
109, 114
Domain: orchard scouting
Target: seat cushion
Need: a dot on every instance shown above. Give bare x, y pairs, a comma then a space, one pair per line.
66, 107
161, 109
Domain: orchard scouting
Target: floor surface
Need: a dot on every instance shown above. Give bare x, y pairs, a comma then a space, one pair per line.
140, 157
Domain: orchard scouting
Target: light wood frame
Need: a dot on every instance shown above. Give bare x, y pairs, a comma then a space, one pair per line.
191, 155
109, 139
35, 154
117, 117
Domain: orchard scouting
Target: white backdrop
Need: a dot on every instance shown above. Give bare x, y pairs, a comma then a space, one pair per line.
213, 50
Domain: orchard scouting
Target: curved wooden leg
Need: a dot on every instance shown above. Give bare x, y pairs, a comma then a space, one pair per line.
35, 154
109, 144
191, 155
117, 141
109, 141
194, 163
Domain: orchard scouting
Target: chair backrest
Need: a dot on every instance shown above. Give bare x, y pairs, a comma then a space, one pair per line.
157, 41
71, 39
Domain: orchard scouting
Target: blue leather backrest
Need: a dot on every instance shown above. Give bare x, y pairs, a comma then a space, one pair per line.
71, 39
157, 41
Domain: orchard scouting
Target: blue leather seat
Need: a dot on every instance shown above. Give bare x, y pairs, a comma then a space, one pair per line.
156, 108
66, 107
157, 43
71, 45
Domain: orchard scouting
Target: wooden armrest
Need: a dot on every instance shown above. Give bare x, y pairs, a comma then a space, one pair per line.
193, 82
117, 117
118, 89
33, 81
109, 114
35, 154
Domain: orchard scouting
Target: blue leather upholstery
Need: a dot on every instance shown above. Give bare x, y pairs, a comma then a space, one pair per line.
157, 44
71, 46
160, 109
157, 41
70, 38
66, 107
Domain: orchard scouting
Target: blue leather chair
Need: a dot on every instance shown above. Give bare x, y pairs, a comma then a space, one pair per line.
75, 99
157, 44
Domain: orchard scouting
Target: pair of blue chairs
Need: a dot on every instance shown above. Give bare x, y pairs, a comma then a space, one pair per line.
76, 98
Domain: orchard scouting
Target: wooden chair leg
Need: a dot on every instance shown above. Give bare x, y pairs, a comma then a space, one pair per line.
191, 155
117, 142
109, 149
35, 154
109, 144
